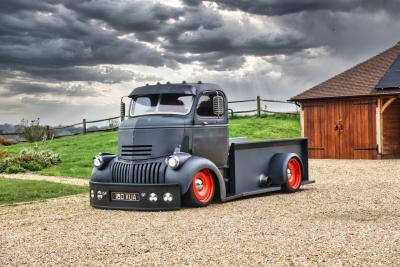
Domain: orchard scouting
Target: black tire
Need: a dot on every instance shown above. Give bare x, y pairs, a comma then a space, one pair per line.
294, 176
203, 197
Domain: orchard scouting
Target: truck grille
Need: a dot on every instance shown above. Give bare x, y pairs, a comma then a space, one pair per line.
138, 173
137, 152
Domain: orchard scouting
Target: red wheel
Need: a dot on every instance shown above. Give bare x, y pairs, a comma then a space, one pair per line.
201, 191
294, 175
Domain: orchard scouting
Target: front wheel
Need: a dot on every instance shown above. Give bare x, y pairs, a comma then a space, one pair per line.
294, 177
201, 190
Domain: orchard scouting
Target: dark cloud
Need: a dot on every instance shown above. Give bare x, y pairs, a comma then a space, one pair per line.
35, 89
51, 49
104, 74
64, 39
227, 42
223, 63
64, 35
96, 74
127, 16
22, 5
284, 7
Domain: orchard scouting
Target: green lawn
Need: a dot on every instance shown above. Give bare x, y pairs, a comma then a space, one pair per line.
14, 191
267, 127
77, 151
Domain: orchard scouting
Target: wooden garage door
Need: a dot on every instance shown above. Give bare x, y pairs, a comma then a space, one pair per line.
341, 129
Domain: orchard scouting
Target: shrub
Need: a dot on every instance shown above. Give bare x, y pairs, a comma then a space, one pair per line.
43, 158
4, 154
10, 165
32, 159
14, 169
32, 131
2, 166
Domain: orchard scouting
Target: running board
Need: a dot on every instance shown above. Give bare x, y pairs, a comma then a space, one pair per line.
261, 191
245, 194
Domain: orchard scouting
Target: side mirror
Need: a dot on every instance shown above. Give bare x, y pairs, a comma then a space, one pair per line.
122, 110
218, 105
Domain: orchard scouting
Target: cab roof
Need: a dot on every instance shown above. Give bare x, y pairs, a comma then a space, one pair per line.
174, 88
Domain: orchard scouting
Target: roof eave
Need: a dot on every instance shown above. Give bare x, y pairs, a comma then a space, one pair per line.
340, 97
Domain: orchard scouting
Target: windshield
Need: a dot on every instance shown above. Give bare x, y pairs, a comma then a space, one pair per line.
161, 103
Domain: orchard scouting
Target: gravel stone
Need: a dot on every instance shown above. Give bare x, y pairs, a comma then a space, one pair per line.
350, 217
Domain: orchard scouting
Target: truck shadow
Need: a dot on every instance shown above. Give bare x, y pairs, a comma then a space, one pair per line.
267, 194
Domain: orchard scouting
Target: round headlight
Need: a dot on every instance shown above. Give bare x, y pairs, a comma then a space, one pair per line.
173, 162
92, 193
98, 162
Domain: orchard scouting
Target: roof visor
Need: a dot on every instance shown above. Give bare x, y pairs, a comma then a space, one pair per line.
184, 89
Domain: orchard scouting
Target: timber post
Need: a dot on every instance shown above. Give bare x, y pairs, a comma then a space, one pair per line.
84, 126
258, 106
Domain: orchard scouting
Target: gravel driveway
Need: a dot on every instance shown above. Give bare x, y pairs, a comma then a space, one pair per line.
350, 217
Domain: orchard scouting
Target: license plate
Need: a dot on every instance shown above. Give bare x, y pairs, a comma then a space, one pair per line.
124, 196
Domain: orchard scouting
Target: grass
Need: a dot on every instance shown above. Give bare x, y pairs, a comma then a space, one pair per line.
15, 191
266, 127
76, 152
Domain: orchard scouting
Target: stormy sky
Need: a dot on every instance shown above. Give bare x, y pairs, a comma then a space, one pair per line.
71, 59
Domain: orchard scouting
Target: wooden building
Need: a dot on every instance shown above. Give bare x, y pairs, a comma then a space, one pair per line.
356, 114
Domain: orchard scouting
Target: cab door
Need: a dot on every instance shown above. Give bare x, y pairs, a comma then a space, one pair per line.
210, 129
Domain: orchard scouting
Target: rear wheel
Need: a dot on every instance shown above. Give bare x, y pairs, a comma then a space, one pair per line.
294, 174
201, 190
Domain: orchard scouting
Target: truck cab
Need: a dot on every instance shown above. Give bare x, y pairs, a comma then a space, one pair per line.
174, 148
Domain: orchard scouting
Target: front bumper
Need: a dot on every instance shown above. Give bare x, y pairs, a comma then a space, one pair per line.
143, 190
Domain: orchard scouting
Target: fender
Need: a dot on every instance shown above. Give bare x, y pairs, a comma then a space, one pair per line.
277, 167
104, 174
184, 174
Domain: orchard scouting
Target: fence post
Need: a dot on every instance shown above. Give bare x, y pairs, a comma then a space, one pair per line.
84, 126
258, 106
48, 132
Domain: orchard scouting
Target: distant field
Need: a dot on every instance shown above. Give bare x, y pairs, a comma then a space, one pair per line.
14, 191
77, 151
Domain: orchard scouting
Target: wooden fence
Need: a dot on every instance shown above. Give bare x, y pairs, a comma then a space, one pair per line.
258, 109
83, 125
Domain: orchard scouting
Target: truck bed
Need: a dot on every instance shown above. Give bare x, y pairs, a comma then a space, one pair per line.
247, 160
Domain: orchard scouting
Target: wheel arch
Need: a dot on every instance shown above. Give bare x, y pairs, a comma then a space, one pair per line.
104, 174
277, 167
184, 175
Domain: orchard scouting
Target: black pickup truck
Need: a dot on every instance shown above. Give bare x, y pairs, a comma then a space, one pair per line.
174, 148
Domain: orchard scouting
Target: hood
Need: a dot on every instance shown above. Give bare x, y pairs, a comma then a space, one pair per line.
150, 136
154, 121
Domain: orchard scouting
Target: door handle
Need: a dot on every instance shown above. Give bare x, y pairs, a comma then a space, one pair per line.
205, 123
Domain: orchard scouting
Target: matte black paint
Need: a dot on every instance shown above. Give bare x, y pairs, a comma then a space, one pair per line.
143, 204
236, 164
247, 161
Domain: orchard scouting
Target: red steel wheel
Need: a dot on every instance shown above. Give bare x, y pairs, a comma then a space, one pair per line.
201, 191
294, 175
203, 185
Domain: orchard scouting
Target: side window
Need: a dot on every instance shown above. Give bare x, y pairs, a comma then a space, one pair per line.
206, 105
